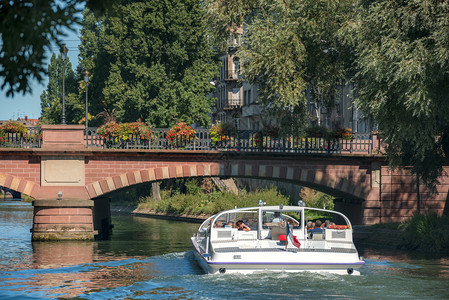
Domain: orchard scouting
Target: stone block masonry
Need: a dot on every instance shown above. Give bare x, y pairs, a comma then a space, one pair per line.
63, 220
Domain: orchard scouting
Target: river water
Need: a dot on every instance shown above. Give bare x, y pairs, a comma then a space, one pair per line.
152, 259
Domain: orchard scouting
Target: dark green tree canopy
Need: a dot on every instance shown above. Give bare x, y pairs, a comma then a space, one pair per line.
151, 60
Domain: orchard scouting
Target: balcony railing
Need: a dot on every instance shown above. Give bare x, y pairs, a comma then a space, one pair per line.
233, 103
244, 141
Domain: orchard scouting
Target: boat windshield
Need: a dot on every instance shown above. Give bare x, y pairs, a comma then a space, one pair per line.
325, 217
229, 219
276, 218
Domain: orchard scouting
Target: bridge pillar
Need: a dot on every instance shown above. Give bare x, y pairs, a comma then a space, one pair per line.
62, 209
63, 220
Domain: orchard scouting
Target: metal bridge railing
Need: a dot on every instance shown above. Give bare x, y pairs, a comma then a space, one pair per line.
244, 141
31, 139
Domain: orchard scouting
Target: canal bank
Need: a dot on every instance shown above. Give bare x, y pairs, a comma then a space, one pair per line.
145, 212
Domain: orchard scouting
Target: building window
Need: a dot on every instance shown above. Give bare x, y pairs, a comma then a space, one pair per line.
223, 97
226, 68
237, 123
245, 98
235, 97
249, 97
236, 68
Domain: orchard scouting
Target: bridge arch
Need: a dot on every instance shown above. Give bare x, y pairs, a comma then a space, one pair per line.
316, 179
18, 184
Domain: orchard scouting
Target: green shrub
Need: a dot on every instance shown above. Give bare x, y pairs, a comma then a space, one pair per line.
428, 232
317, 131
313, 198
197, 203
192, 187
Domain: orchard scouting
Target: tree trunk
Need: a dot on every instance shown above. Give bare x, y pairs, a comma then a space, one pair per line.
156, 190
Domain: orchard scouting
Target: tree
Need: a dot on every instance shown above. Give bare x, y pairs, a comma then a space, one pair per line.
289, 48
94, 58
402, 64
151, 60
27, 30
51, 98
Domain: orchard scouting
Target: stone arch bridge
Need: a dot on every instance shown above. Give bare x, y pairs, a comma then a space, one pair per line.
70, 183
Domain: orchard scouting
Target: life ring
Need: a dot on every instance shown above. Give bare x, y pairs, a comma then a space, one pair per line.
337, 227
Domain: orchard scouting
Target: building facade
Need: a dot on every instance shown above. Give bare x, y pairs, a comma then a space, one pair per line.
237, 100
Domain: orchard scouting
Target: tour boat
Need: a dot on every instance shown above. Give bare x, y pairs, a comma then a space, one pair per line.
278, 240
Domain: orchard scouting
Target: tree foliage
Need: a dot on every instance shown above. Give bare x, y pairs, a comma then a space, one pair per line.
51, 98
402, 60
150, 60
396, 52
28, 28
289, 48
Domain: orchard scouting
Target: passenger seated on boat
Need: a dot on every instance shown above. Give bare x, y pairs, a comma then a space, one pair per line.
277, 218
229, 225
276, 221
309, 228
242, 226
292, 223
327, 223
218, 224
317, 228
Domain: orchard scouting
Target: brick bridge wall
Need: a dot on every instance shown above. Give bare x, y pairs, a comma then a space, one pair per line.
369, 192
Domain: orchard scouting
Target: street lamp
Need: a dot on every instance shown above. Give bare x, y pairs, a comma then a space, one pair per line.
86, 80
63, 52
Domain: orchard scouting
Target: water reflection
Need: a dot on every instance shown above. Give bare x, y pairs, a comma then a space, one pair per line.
152, 259
410, 262
61, 254
70, 269
143, 237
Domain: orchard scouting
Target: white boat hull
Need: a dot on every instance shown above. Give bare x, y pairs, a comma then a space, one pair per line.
283, 263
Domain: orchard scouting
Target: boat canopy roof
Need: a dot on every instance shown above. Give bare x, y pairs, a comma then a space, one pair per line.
274, 208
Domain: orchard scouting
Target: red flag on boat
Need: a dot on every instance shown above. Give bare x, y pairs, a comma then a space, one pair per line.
292, 238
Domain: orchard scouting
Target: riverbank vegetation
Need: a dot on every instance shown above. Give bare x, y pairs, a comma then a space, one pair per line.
422, 232
425, 232
199, 198
202, 197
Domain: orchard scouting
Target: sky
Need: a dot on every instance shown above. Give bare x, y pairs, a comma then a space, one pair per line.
29, 105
